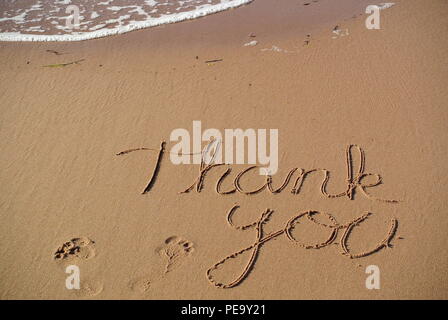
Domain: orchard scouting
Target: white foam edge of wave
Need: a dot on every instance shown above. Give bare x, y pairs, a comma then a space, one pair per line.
136, 25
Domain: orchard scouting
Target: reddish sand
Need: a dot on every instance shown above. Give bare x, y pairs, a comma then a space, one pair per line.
61, 128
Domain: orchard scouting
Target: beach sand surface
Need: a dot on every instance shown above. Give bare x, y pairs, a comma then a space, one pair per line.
61, 128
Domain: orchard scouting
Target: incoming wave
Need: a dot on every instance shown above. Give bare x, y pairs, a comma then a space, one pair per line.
75, 20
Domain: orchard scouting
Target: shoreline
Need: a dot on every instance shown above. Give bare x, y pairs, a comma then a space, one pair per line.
137, 25
301, 17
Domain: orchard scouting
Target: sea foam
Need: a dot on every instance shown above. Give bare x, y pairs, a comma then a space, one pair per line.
47, 20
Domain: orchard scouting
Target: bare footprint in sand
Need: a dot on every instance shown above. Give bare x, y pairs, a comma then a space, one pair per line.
77, 248
141, 285
175, 251
89, 288
74, 251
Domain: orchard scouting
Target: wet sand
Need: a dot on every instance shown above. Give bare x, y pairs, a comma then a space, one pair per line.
67, 198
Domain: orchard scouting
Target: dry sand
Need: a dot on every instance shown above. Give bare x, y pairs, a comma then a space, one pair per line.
61, 128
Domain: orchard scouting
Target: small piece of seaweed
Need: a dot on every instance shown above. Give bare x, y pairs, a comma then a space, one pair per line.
60, 65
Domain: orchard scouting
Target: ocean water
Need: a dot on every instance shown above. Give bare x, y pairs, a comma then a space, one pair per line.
74, 20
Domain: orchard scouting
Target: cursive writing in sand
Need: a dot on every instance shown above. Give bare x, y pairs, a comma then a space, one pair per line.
356, 177
356, 181
333, 228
